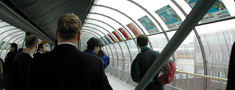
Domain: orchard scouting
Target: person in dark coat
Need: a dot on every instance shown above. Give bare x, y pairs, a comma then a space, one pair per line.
21, 63
94, 48
231, 72
41, 50
65, 67
10, 57
144, 59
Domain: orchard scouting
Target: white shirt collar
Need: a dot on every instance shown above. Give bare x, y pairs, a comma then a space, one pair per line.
40, 52
66, 43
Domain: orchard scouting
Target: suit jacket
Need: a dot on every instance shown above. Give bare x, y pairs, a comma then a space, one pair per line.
66, 68
17, 77
9, 61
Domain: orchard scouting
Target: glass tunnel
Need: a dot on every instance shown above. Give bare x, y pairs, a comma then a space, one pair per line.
202, 59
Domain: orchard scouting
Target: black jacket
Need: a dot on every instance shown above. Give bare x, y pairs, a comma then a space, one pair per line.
66, 68
37, 54
17, 77
9, 61
145, 60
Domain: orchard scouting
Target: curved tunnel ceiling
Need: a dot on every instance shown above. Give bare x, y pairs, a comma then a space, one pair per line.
43, 14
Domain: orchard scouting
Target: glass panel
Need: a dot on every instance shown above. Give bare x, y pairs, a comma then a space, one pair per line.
114, 56
3, 24
184, 55
217, 40
119, 57
185, 83
6, 28
8, 35
3, 54
158, 42
127, 56
94, 30
133, 49
98, 23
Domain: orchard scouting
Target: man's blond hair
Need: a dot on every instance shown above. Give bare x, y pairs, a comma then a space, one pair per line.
68, 26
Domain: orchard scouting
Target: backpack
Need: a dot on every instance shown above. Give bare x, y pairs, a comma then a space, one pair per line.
166, 74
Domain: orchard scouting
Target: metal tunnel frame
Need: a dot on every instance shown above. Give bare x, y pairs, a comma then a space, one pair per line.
22, 35
98, 38
114, 30
199, 10
110, 34
200, 44
116, 22
125, 16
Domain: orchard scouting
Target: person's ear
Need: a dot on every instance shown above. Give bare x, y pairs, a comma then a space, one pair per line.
36, 45
79, 35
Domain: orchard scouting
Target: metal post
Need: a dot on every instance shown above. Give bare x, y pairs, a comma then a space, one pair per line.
200, 44
189, 23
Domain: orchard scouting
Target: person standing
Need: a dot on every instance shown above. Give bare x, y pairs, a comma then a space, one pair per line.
10, 57
142, 63
65, 67
41, 50
94, 48
22, 61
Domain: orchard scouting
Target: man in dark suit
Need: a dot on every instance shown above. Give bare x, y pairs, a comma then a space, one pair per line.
17, 78
65, 67
41, 50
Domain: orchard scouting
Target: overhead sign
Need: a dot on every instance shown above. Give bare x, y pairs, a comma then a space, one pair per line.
107, 38
124, 33
118, 37
170, 17
111, 38
216, 12
148, 25
133, 29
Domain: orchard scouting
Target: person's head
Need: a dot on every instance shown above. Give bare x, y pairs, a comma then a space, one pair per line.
142, 41
94, 44
42, 48
31, 41
68, 28
13, 47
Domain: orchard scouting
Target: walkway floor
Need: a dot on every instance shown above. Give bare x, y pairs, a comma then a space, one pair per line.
118, 84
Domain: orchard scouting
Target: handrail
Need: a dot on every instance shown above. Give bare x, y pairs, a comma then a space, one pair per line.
205, 76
